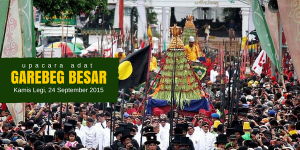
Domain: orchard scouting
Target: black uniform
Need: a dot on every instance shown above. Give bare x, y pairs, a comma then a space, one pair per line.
116, 145
135, 143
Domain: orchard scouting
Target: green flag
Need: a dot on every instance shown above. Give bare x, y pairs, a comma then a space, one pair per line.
28, 28
200, 71
263, 32
3, 16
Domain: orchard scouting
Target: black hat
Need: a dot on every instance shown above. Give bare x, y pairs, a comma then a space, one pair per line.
178, 131
108, 109
90, 119
229, 131
151, 138
48, 138
72, 121
148, 130
176, 138
118, 130
183, 126
126, 134
185, 141
232, 137
124, 125
139, 117
239, 129
68, 127
118, 107
235, 123
56, 126
130, 126
222, 138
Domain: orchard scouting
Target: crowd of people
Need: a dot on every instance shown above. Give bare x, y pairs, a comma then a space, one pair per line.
262, 115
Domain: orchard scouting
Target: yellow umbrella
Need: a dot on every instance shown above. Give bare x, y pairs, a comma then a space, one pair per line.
55, 45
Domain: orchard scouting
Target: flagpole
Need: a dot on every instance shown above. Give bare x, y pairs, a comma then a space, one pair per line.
48, 123
102, 36
146, 88
111, 124
123, 105
67, 37
151, 85
5, 25
112, 47
61, 105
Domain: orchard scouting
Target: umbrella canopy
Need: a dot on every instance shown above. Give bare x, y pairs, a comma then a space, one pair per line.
95, 46
69, 47
78, 42
54, 44
83, 52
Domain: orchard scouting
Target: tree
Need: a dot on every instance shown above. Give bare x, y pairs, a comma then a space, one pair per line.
151, 16
53, 8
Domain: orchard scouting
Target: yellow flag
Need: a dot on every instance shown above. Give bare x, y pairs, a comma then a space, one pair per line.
149, 32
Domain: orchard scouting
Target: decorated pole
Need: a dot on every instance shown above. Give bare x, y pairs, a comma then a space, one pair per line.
101, 55
146, 96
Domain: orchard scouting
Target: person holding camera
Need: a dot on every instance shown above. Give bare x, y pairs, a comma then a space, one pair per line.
126, 143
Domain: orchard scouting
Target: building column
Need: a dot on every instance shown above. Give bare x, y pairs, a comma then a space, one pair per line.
245, 20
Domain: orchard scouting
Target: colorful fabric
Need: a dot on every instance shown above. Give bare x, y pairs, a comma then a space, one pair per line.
195, 105
200, 71
192, 54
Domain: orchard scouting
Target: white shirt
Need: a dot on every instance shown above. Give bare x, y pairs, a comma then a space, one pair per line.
103, 126
90, 137
213, 75
206, 141
164, 138
104, 139
194, 138
198, 130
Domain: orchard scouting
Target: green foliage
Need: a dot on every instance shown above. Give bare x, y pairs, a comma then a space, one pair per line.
73, 7
151, 16
187, 32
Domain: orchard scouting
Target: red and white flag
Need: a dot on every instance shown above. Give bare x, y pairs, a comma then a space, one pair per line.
17, 111
109, 50
260, 60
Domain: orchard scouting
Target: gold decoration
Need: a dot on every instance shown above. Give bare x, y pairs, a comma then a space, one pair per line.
176, 42
189, 23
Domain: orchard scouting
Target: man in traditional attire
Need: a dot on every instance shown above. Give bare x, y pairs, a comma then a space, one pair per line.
120, 54
192, 50
207, 139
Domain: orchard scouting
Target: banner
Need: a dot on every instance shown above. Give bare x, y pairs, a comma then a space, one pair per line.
264, 33
13, 43
17, 111
258, 64
200, 71
4, 6
289, 12
28, 28
272, 21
